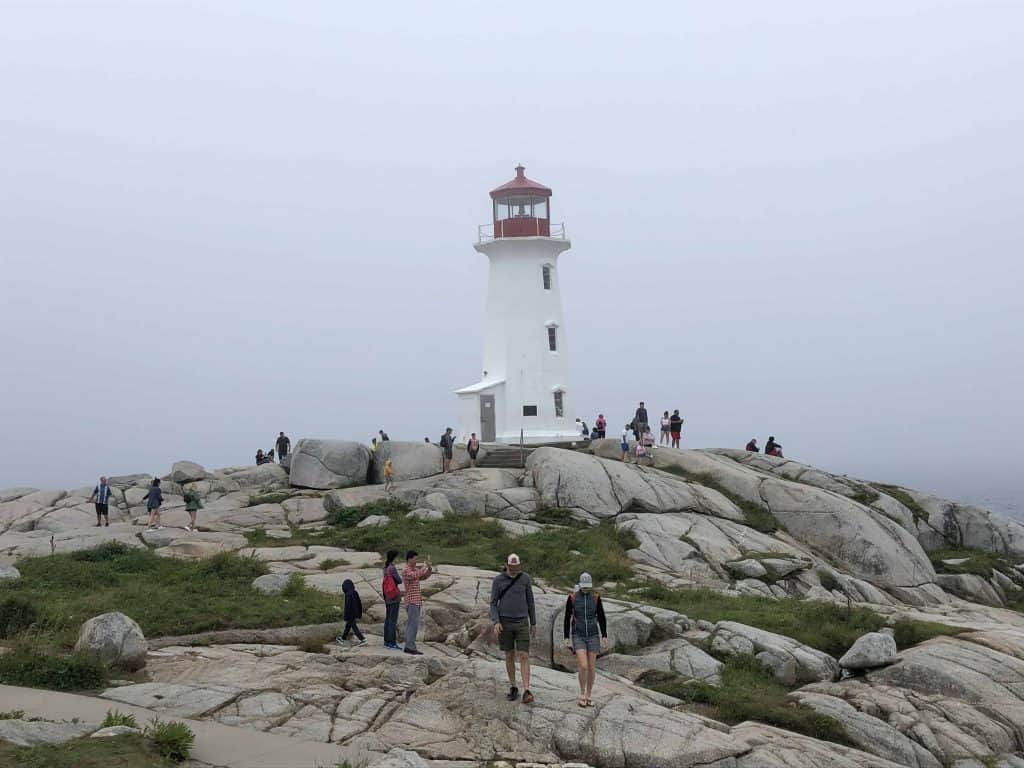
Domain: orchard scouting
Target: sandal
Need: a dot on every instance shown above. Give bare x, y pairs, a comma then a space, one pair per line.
590, 702
527, 697
581, 702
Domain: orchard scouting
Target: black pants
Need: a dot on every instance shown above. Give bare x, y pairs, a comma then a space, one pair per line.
350, 626
101, 509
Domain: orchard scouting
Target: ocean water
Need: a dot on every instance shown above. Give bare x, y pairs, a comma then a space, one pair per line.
1006, 503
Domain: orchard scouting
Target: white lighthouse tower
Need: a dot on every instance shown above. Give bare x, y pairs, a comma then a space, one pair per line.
524, 388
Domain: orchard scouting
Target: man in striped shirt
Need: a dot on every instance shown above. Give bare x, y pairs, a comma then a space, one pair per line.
101, 495
411, 578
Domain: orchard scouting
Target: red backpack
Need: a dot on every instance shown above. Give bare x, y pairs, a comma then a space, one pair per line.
388, 587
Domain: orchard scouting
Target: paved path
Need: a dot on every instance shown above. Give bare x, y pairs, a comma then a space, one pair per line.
219, 745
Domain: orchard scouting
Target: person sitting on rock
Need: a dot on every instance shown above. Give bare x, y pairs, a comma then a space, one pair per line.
586, 633
383, 435
771, 448
752, 445
260, 458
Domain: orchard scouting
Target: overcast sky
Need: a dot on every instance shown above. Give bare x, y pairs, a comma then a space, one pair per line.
221, 220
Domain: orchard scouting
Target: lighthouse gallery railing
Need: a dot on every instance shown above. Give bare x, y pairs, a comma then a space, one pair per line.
485, 232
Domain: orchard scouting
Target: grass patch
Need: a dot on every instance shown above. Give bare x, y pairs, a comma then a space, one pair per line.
33, 668
130, 751
748, 692
115, 718
757, 516
976, 561
910, 633
171, 738
349, 517
904, 498
274, 497
16, 615
165, 596
13, 714
828, 627
865, 495
558, 516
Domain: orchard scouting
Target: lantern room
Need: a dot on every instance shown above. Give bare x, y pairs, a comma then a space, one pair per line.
522, 208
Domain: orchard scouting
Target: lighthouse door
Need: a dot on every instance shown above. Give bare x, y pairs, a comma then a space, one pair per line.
487, 418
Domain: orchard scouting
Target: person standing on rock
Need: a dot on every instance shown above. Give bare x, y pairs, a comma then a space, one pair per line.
412, 575
283, 446
586, 633
600, 426
666, 422
101, 496
675, 425
472, 448
392, 600
383, 435
515, 622
447, 446
193, 503
154, 500
640, 420
389, 476
624, 445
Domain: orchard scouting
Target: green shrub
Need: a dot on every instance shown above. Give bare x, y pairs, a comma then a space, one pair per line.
228, 565
26, 666
13, 714
976, 561
114, 718
108, 550
864, 495
748, 692
909, 633
171, 738
348, 517
557, 516
16, 615
296, 587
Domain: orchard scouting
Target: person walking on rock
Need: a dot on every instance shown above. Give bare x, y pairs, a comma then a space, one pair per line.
193, 503
624, 445
412, 575
283, 446
101, 497
353, 613
515, 622
666, 422
472, 448
447, 446
675, 425
389, 476
154, 500
586, 633
392, 600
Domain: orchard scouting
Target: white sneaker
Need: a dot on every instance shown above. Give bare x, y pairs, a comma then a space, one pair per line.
360, 644
159, 527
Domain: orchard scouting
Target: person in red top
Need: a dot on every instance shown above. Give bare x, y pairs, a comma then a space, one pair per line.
412, 575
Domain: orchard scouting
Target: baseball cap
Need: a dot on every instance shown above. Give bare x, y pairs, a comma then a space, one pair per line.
513, 559
586, 580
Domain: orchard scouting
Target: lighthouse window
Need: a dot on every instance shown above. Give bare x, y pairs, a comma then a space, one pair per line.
553, 339
559, 405
546, 272
529, 410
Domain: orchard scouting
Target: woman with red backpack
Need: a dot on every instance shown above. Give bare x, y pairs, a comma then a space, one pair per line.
392, 600
586, 625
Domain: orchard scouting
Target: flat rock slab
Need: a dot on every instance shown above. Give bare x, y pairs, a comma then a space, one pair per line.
26, 733
174, 699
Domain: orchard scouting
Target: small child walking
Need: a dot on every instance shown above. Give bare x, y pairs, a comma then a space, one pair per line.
353, 612
389, 476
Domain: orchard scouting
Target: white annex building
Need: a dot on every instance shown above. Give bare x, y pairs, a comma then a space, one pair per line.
524, 387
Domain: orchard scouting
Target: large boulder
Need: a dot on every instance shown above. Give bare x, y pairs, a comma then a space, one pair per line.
9, 572
265, 477
325, 464
186, 472
114, 639
409, 460
875, 649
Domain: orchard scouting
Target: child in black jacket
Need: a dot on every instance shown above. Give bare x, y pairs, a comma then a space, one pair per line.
353, 612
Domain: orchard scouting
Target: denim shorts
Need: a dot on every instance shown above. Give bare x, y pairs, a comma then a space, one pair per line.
592, 644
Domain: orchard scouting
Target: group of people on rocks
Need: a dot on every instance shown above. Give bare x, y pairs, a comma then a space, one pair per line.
513, 619
771, 448
283, 446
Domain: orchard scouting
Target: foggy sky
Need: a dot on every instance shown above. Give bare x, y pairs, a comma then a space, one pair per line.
221, 220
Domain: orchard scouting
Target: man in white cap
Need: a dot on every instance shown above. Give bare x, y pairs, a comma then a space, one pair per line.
515, 622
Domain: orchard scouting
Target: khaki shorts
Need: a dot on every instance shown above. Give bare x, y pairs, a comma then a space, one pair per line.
515, 635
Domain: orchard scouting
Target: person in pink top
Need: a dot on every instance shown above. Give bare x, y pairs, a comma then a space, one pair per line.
411, 578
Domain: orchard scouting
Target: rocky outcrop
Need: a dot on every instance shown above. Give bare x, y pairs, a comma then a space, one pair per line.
327, 464
115, 639
409, 460
789, 661
186, 472
875, 649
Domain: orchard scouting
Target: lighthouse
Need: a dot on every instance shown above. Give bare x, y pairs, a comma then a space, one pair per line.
524, 388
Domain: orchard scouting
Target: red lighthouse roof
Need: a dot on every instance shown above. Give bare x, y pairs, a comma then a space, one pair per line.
520, 185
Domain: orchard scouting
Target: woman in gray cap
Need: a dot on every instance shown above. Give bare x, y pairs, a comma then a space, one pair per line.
586, 633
